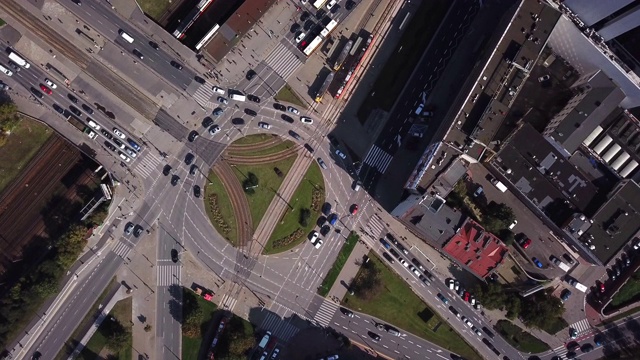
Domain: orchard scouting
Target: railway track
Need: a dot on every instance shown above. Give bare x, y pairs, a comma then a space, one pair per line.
251, 160
98, 71
275, 140
244, 222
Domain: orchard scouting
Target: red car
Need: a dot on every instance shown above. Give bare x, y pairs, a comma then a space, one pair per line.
526, 243
45, 89
601, 287
354, 209
466, 296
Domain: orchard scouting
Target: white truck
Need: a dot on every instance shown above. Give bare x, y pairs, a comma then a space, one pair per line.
499, 185
577, 285
560, 264
19, 60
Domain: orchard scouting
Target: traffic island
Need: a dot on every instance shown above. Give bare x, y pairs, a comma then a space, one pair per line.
300, 218
336, 268
380, 292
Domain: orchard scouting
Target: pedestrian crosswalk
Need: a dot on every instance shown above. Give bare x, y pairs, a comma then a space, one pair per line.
581, 326
283, 61
560, 351
378, 159
122, 250
168, 275
228, 302
375, 226
281, 329
325, 312
147, 164
203, 96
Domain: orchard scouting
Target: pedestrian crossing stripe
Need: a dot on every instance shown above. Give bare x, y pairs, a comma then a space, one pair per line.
581, 326
167, 275
147, 164
282, 61
325, 312
281, 329
204, 94
378, 159
376, 226
121, 250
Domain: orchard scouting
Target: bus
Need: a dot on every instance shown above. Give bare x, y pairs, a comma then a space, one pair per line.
329, 28
319, 3
312, 45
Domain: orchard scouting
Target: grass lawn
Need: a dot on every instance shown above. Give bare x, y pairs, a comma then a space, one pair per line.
628, 293
121, 311
154, 8
224, 207
301, 199
23, 143
288, 95
398, 68
2, 22
268, 185
253, 139
398, 305
519, 338
191, 345
337, 266
555, 326
268, 151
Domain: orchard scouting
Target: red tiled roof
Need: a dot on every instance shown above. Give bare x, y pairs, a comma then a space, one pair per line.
478, 250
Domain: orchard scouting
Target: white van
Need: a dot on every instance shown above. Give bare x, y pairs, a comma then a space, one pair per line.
356, 185
5, 70
126, 36
237, 96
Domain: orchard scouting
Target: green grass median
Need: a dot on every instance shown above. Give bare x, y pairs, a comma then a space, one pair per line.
398, 305
519, 338
336, 268
287, 94
203, 311
219, 208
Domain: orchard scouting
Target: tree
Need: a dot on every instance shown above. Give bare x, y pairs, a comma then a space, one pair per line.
498, 216
541, 310
513, 306
367, 284
118, 337
192, 315
507, 236
98, 215
305, 215
70, 245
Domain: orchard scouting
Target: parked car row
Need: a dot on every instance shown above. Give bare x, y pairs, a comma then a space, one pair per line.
463, 293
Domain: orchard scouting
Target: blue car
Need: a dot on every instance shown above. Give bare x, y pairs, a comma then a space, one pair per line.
385, 244
442, 298
134, 145
333, 219
218, 112
537, 262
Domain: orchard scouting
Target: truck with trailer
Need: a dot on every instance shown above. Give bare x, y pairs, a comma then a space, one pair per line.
78, 124
19, 60
325, 86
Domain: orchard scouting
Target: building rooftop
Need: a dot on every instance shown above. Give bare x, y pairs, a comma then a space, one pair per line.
615, 223
479, 251
429, 218
541, 172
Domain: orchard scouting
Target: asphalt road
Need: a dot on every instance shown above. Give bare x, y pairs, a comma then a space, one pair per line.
418, 88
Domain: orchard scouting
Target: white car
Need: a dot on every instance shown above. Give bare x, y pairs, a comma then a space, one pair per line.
119, 133
403, 262
123, 156
300, 37
93, 125
544, 78
264, 125
218, 90
306, 120
214, 129
341, 154
291, 109
223, 100
131, 152
419, 109
469, 324
92, 135
315, 241
513, 224
50, 83
477, 331
331, 4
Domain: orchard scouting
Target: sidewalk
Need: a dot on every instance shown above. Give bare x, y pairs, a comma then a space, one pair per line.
119, 295
349, 271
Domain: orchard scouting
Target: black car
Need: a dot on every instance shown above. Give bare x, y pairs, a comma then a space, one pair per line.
294, 135
137, 231
196, 191
137, 53
251, 74
109, 145
309, 148
237, 121
175, 64
15, 66
320, 14
324, 230
193, 135
326, 208
388, 257
129, 228
188, 159
488, 332
374, 336
250, 112
86, 108
346, 312
119, 143
36, 92
174, 180
174, 255
279, 107
350, 4
166, 170
287, 118
193, 169
253, 98
207, 122
154, 45
72, 98
295, 27
572, 346
75, 110
304, 16
569, 259
58, 108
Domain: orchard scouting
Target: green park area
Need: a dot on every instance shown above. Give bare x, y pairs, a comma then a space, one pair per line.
198, 316
261, 183
113, 335
519, 338
17, 149
154, 8
286, 94
219, 208
300, 217
336, 268
628, 293
379, 292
